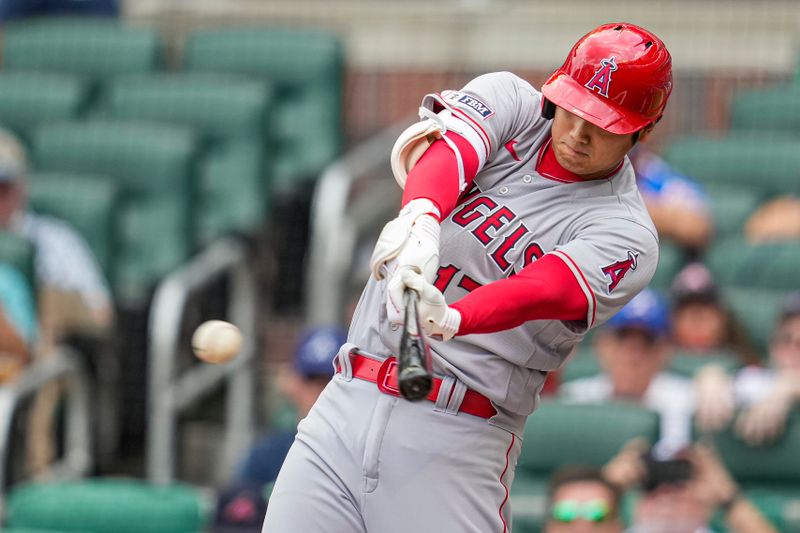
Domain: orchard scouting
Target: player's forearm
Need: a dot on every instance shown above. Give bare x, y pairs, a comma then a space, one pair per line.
436, 177
545, 289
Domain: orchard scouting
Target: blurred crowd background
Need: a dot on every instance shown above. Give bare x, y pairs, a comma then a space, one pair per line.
166, 162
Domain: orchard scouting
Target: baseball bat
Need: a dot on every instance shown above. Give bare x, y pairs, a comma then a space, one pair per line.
414, 374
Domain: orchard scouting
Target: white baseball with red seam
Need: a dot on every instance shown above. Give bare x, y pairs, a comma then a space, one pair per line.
216, 341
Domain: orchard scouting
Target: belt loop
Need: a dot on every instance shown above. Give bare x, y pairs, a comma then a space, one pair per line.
444, 393
456, 398
342, 363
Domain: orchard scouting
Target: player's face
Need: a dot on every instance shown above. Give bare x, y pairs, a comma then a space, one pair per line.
580, 502
585, 149
785, 349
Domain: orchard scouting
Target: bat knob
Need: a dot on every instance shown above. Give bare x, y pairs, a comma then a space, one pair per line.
414, 383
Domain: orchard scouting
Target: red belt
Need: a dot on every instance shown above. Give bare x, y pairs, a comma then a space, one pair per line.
384, 375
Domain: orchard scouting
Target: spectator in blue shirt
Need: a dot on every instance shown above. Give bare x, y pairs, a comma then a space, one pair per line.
678, 206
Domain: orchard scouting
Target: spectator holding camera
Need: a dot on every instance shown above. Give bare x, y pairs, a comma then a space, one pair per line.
582, 500
766, 396
634, 351
682, 496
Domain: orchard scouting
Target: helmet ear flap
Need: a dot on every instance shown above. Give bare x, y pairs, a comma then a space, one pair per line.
548, 109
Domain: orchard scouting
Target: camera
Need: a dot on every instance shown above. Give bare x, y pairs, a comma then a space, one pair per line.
665, 472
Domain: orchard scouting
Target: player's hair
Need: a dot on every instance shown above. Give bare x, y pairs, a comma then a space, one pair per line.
549, 113
579, 474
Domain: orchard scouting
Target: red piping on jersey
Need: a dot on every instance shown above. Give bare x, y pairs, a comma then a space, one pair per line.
508, 452
589, 287
548, 167
487, 142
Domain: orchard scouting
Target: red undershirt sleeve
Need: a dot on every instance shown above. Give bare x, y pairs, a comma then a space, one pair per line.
435, 176
545, 289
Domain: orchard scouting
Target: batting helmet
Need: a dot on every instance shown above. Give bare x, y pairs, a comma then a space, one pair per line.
618, 77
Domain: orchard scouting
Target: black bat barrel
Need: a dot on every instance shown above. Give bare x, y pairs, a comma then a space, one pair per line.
414, 376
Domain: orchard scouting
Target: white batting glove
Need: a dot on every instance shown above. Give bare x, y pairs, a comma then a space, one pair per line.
438, 319
412, 239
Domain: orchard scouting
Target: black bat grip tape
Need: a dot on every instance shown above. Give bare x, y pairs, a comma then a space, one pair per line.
414, 377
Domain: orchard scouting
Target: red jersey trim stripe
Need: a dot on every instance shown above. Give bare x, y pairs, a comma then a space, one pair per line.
552, 177
503, 504
587, 289
484, 136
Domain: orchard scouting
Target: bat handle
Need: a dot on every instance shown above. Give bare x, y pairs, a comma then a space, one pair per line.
414, 377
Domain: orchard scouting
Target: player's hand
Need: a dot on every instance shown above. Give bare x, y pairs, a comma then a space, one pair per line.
438, 319
715, 399
412, 239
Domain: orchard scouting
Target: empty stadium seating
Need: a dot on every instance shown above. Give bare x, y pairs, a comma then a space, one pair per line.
106, 506
92, 47
231, 113
306, 68
28, 99
152, 164
771, 109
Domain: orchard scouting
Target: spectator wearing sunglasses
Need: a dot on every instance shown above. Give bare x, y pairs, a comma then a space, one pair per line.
582, 501
634, 350
765, 396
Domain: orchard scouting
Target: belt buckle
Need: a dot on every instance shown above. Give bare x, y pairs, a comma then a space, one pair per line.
387, 377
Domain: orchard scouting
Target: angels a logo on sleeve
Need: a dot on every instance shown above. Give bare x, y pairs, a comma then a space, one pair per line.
617, 270
602, 78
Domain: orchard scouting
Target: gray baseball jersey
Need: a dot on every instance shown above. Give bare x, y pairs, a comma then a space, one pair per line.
511, 216
364, 461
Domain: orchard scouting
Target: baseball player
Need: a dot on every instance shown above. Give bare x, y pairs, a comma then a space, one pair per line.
521, 229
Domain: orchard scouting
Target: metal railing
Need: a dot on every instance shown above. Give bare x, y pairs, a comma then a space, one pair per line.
171, 393
62, 366
347, 202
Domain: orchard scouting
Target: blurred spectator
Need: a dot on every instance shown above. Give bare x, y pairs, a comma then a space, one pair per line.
302, 383
581, 500
73, 295
766, 395
701, 324
16, 9
677, 205
777, 220
17, 322
634, 350
683, 497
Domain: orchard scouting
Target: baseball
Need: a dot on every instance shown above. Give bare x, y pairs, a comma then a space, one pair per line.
216, 341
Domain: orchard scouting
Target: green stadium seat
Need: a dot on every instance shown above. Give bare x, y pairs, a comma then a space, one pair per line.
768, 165
28, 99
734, 261
671, 259
555, 435
20, 253
757, 310
152, 164
583, 364
731, 207
773, 109
231, 113
89, 203
306, 67
106, 506
92, 47
688, 365
774, 465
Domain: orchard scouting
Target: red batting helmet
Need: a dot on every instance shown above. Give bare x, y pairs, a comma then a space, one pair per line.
618, 77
